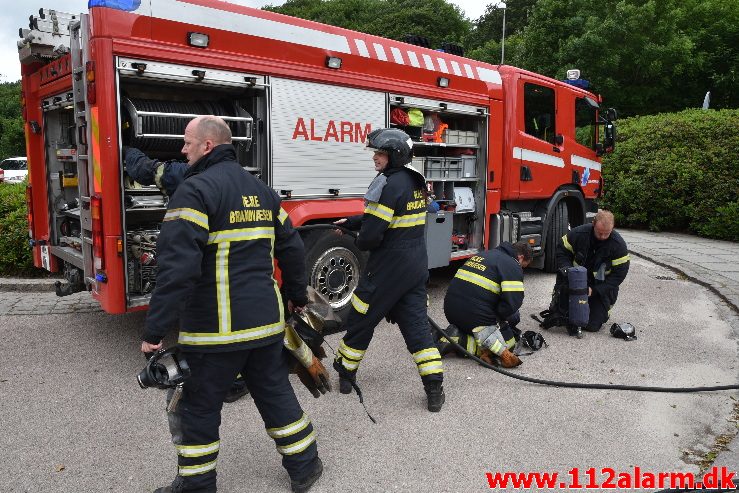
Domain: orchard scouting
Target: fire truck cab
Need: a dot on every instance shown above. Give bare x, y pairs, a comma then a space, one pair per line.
508, 154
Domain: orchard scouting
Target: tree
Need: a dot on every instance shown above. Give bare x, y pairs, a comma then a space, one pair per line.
714, 29
489, 27
436, 20
12, 139
645, 57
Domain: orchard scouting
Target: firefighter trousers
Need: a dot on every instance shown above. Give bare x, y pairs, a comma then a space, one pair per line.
403, 304
599, 312
195, 421
466, 339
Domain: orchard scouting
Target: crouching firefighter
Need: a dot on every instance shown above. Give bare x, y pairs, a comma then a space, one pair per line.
394, 282
603, 253
482, 304
216, 277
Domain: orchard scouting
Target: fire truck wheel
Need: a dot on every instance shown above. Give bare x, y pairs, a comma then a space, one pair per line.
558, 227
334, 265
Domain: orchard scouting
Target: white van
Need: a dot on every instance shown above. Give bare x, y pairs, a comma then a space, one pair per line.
13, 170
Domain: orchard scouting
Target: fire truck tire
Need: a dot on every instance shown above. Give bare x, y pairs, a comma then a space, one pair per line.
333, 266
558, 227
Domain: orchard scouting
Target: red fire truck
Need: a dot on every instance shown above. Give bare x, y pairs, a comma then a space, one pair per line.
518, 159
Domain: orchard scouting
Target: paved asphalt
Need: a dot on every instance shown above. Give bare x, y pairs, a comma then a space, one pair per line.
74, 419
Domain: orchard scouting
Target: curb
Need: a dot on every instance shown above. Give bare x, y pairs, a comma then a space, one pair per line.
9, 284
690, 277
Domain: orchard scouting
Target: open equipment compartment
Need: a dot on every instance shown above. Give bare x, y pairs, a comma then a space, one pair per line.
152, 117
450, 151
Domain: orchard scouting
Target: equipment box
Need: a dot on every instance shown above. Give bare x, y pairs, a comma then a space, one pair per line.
438, 232
418, 164
459, 137
453, 168
469, 138
440, 168
451, 136
468, 166
434, 168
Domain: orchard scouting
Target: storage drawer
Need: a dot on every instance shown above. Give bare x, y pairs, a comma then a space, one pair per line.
453, 167
434, 168
469, 138
418, 163
469, 164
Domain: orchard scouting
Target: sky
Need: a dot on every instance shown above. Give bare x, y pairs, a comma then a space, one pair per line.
15, 15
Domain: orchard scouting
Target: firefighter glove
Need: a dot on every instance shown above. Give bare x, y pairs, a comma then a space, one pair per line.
315, 378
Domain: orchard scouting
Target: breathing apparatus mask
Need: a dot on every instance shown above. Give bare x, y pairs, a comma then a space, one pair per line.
624, 331
165, 369
533, 340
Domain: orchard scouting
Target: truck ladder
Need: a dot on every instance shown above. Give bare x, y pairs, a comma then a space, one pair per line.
79, 39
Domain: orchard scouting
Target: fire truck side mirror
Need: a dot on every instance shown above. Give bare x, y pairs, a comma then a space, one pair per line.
609, 138
611, 114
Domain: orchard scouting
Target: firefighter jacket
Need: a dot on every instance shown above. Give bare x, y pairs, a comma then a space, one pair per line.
221, 233
393, 230
487, 289
398, 217
167, 176
611, 257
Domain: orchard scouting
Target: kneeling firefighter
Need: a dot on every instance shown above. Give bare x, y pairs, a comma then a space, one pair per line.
482, 303
603, 254
394, 282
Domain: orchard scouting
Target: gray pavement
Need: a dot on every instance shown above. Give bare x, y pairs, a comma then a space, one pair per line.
74, 419
710, 263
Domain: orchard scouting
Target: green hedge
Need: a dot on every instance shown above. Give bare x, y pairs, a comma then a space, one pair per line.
15, 253
676, 172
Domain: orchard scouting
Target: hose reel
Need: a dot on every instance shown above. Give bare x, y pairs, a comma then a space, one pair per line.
159, 126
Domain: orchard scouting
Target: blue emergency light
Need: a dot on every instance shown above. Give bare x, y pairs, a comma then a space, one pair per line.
573, 79
127, 5
581, 83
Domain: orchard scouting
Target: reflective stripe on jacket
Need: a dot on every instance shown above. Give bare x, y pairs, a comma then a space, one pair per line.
486, 289
580, 247
220, 236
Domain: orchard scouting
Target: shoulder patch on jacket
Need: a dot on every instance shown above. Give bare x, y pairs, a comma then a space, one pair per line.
375, 189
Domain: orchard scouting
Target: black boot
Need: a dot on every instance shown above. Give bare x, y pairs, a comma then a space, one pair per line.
178, 486
574, 331
237, 391
443, 345
305, 484
346, 378
434, 395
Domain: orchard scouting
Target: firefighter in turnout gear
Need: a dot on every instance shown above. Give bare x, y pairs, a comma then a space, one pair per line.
603, 252
167, 176
221, 233
394, 282
482, 303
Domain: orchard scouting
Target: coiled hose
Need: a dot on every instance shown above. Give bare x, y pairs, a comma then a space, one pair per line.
552, 383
